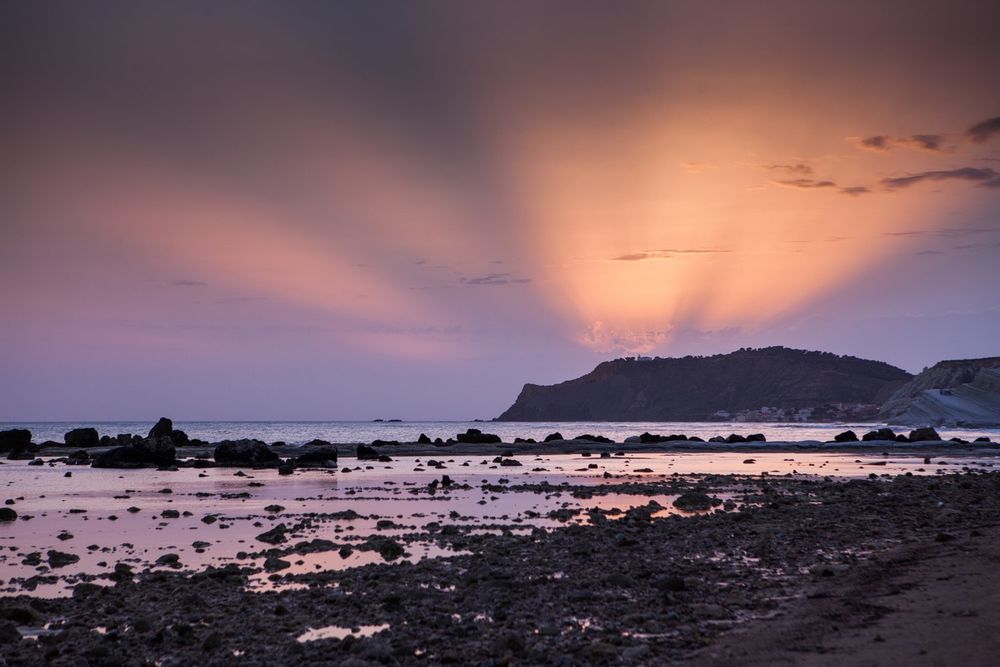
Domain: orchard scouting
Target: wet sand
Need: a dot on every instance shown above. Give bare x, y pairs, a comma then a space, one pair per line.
566, 559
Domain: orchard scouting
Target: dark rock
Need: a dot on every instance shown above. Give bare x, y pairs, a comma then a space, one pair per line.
14, 440
151, 452
423, 440
366, 453
286, 469
756, 437
322, 457
717, 438
385, 443
82, 437
475, 436
274, 536
693, 501
586, 437
735, 437
61, 558
553, 436
926, 433
170, 560
9, 633
250, 453
902, 438
510, 463
7, 514
881, 434
78, 458
982, 439
846, 436
163, 429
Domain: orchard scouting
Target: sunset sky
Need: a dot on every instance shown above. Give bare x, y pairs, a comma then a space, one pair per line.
314, 210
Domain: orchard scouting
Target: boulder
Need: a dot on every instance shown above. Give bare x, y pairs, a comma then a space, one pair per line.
553, 436
475, 436
756, 437
82, 437
316, 442
926, 433
586, 437
366, 453
163, 428
249, 453
846, 436
717, 438
735, 437
695, 501
881, 434
148, 453
423, 439
321, 457
14, 439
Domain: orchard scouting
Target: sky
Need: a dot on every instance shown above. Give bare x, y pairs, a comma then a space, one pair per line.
358, 210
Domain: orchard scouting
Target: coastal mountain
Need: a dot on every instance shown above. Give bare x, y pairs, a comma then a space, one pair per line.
964, 392
786, 384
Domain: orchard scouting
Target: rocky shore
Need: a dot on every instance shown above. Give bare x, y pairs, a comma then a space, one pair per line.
625, 587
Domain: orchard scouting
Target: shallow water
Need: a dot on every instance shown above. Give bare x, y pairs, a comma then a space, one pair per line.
93, 505
355, 432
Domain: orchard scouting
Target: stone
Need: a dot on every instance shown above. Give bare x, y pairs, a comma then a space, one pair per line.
148, 453
321, 457
735, 437
553, 436
82, 437
7, 514
880, 434
423, 439
61, 558
475, 436
274, 536
250, 453
15, 439
694, 501
756, 437
366, 453
846, 436
921, 434
164, 428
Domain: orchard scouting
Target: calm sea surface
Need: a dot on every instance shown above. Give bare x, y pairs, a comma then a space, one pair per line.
408, 431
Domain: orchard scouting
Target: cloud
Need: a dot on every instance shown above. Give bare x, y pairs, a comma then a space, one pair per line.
667, 253
882, 143
799, 168
494, 279
854, 190
241, 299
602, 339
879, 143
926, 142
982, 132
698, 167
188, 283
952, 232
805, 183
985, 177
929, 252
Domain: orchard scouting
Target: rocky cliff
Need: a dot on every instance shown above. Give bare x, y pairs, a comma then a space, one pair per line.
696, 388
963, 392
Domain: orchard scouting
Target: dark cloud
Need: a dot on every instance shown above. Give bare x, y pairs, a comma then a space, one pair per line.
880, 143
666, 253
799, 168
854, 190
952, 232
985, 177
981, 132
927, 142
806, 183
240, 299
494, 279
188, 283
929, 252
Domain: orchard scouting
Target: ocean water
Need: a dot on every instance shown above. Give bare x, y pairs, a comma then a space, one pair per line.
348, 432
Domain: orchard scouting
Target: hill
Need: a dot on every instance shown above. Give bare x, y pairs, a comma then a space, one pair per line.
796, 382
962, 392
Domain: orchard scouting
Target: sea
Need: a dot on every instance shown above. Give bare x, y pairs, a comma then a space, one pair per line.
353, 432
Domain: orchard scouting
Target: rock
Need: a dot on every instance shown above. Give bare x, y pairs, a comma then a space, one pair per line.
717, 438
423, 440
274, 536
7, 514
507, 463
756, 437
151, 452
163, 428
9, 633
735, 437
170, 560
82, 437
926, 433
366, 453
553, 436
246, 453
475, 436
322, 457
586, 437
846, 436
15, 439
694, 501
982, 439
881, 434
286, 469
61, 558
